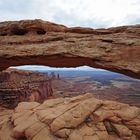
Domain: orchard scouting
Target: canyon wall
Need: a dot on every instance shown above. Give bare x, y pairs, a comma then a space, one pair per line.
44, 43
22, 85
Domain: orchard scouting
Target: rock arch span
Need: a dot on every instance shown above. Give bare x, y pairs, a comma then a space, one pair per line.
44, 43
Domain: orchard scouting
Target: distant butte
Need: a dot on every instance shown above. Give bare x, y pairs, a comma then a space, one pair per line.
40, 42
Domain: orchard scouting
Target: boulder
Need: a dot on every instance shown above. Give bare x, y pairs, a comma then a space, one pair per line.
78, 118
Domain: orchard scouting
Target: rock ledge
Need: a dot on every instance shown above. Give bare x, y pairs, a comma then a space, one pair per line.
78, 118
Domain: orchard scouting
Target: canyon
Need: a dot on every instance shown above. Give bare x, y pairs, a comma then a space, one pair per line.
102, 84
78, 118
23, 85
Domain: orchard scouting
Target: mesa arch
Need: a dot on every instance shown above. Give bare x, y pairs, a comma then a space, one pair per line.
44, 43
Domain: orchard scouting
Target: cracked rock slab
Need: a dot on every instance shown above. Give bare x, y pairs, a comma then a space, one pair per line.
78, 118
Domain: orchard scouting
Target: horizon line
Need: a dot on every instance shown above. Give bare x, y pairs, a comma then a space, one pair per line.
43, 68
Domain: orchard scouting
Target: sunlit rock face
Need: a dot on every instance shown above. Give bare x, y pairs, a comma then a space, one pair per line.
22, 85
78, 118
45, 43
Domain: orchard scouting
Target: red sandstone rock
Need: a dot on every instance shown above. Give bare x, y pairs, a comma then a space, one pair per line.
22, 85
76, 118
45, 43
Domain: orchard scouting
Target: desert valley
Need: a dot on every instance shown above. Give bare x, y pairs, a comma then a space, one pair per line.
18, 85
102, 84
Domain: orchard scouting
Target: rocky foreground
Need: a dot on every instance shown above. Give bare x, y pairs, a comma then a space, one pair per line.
78, 118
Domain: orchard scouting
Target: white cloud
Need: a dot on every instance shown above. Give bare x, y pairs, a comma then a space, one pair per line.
45, 68
92, 13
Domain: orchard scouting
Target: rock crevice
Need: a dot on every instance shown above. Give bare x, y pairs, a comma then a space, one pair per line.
78, 118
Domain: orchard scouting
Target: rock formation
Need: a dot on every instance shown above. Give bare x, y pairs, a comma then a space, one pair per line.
45, 43
22, 85
78, 118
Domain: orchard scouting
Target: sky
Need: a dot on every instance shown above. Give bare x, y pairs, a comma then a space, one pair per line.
86, 13
42, 68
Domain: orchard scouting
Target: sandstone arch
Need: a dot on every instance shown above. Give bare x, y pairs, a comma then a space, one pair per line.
44, 43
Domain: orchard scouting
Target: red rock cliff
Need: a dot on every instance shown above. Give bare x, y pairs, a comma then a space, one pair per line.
21, 85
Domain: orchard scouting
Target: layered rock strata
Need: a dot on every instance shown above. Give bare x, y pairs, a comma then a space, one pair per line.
22, 85
78, 118
45, 43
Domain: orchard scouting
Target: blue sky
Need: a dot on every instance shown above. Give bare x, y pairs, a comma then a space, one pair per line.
86, 13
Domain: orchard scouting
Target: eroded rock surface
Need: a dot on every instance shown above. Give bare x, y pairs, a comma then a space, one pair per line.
22, 85
78, 118
45, 43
